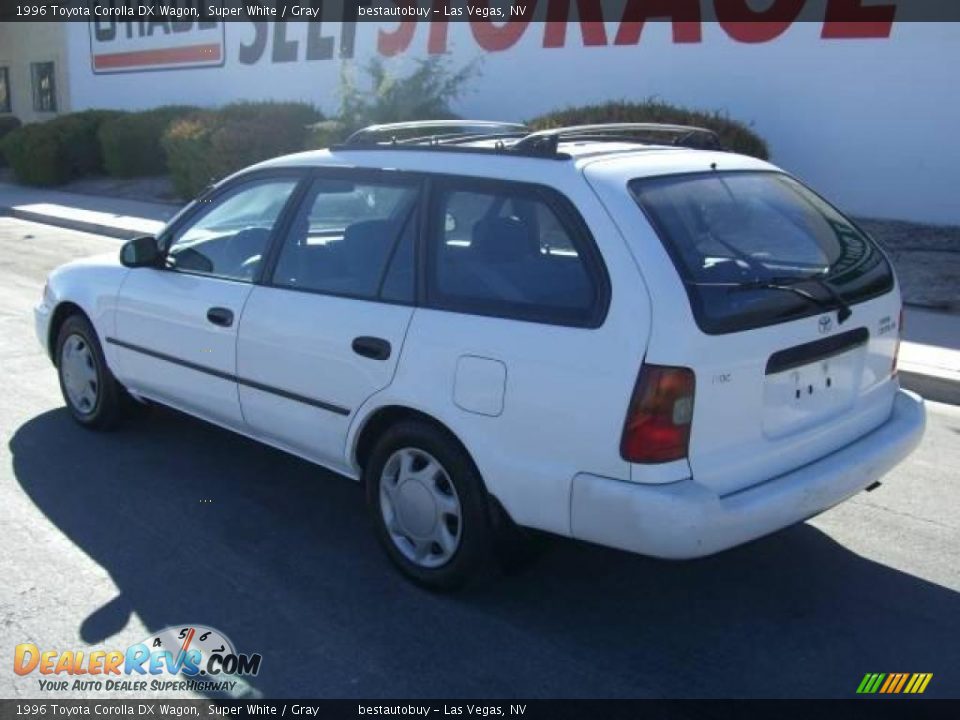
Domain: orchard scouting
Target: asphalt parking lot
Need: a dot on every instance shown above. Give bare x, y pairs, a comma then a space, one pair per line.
107, 537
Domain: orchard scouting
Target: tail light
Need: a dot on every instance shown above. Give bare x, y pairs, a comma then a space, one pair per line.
896, 349
657, 428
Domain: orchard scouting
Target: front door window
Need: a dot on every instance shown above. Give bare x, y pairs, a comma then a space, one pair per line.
230, 238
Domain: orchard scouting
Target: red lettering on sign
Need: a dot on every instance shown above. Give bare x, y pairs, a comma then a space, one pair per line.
437, 39
749, 26
637, 12
849, 19
494, 36
398, 40
558, 13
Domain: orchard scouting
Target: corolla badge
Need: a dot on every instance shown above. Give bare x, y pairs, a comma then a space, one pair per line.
825, 324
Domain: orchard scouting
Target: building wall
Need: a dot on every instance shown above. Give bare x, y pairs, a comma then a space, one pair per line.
870, 121
24, 43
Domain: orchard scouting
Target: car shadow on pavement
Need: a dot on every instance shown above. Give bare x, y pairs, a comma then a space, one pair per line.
198, 525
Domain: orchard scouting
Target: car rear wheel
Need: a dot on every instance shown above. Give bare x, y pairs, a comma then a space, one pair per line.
93, 396
428, 505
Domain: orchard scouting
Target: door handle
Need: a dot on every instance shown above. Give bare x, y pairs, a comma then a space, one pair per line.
220, 316
371, 347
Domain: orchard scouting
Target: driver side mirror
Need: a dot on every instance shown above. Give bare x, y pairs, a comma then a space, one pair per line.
141, 252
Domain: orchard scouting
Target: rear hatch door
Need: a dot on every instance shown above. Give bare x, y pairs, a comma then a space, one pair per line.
787, 313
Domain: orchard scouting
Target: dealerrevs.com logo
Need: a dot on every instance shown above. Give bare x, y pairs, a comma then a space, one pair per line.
186, 658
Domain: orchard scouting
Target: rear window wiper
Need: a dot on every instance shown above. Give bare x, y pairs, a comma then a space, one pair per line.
789, 284
843, 307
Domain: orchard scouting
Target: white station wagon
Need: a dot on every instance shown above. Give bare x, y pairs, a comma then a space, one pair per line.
618, 333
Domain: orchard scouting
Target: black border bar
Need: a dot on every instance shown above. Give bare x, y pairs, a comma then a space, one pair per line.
866, 13
880, 708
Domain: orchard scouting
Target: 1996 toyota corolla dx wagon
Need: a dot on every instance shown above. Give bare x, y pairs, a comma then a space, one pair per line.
616, 333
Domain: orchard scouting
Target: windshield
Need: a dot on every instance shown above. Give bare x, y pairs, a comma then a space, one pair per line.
738, 238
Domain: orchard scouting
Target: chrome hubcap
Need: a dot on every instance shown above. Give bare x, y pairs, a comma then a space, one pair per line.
420, 507
79, 374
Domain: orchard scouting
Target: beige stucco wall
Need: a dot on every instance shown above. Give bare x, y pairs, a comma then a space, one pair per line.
25, 43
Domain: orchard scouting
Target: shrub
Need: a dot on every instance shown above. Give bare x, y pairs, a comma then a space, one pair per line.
208, 145
77, 133
33, 152
58, 150
8, 123
186, 147
734, 135
426, 93
290, 115
130, 143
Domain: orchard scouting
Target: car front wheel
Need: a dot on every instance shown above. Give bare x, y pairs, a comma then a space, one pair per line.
93, 395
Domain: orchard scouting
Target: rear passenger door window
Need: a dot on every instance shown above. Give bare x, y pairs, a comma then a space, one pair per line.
511, 250
353, 239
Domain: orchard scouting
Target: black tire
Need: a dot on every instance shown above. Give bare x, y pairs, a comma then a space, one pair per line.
473, 551
111, 399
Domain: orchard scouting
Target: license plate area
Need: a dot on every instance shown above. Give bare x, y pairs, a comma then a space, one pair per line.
802, 396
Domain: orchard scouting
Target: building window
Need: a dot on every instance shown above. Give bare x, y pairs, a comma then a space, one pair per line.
5, 90
44, 87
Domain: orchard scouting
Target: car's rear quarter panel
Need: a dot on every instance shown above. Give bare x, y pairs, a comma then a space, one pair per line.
566, 389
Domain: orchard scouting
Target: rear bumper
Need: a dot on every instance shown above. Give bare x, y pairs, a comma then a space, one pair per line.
686, 519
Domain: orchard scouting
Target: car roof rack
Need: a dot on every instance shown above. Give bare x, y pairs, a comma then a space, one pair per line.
432, 132
546, 141
517, 139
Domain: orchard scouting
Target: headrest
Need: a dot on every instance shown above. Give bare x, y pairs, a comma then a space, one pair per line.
367, 230
365, 242
502, 239
251, 238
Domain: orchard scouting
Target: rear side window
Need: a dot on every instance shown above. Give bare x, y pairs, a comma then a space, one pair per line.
757, 248
511, 250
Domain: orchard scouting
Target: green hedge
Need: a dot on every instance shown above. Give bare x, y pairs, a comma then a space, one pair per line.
208, 145
56, 151
8, 123
131, 144
734, 135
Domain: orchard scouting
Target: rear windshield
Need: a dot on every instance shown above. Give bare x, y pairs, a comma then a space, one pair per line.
757, 248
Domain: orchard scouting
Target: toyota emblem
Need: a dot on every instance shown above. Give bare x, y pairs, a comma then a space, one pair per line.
825, 324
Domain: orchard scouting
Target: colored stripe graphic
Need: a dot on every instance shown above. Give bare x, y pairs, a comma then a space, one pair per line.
894, 683
903, 681
165, 56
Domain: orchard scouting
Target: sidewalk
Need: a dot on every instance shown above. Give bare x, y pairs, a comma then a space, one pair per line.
929, 356
114, 217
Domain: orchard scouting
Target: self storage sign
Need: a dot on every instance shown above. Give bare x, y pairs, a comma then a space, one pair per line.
161, 36
160, 43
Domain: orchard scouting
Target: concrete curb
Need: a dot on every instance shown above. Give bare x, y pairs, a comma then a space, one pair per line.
930, 386
72, 224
